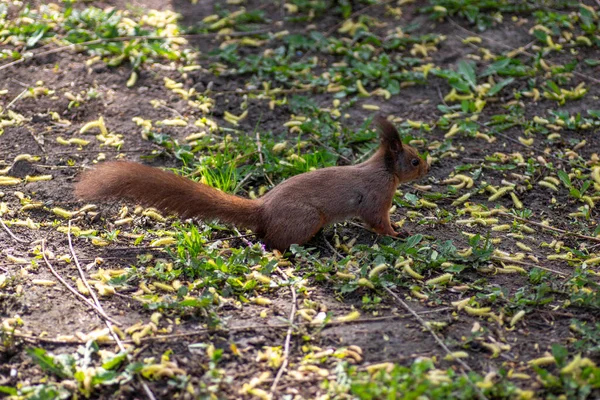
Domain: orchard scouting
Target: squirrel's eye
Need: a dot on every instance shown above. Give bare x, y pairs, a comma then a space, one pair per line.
415, 162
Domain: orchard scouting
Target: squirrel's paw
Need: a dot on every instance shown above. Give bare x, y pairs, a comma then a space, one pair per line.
403, 234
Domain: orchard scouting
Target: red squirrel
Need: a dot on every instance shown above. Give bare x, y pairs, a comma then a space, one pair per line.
292, 212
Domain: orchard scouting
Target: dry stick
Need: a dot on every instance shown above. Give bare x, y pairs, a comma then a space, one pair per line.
261, 91
12, 235
551, 228
123, 39
15, 100
133, 249
71, 289
521, 50
260, 158
199, 332
288, 337
529, 265
89, 288
332, 248
109, 325
439, 342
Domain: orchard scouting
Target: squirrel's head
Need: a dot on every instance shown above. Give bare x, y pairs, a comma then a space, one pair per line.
401, 159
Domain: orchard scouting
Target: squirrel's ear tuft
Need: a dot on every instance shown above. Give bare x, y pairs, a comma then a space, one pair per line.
390, 138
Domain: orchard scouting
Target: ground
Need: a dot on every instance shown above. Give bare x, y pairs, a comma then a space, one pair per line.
501, 265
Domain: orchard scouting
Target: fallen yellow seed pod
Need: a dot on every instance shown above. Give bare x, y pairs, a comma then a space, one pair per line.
9, 181
371, 107
461, 199
63, 213
82, 288
461, 304
353, 316
154, 215
440, 280
548, 185
361, 89
477, 311
456, 354
38, 178
542, 361
377, 270
262, 301
163, 241
164, 287
412, 272
427, 204
344, 275
43, 282
524, 247
501, 192
517, 317
518, 204
592, 261
132, 79
388, 366
366, 283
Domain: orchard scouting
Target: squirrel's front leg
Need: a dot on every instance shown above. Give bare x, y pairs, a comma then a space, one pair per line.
380, 223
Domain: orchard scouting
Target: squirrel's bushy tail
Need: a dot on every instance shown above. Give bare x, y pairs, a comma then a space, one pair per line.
167, 192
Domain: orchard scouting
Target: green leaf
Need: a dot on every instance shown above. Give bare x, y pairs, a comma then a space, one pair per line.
497, 66
466, 70
560, 354
594, 113
575, 193
36, 37
460, 85
585, 187
413, 240
553, 87
499, 86
591, 62
564, 177
46, 362
8, 390
115, 361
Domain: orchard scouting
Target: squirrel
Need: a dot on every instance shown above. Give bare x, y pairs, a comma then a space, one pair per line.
292, 212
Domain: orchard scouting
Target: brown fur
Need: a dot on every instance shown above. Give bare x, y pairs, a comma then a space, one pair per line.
292, 212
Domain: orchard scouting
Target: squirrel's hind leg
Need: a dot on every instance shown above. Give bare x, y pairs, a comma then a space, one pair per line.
295, 224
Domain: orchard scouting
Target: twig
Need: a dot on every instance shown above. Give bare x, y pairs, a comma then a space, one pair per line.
438, 340
261, 91
260, 153
288, 337
250, 328
126, 38
109, 325
147, 390
340, 155
259, 148
551, 228
332, 248
71, 289
529, 265
15, 99
12, 235
89, 288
